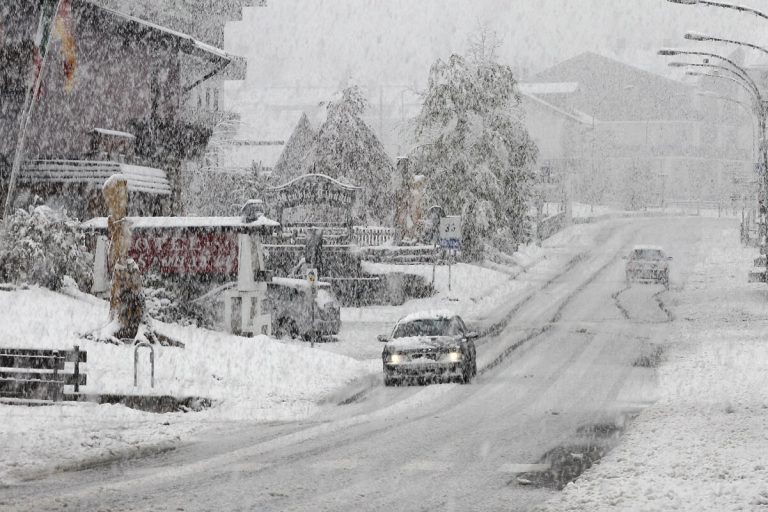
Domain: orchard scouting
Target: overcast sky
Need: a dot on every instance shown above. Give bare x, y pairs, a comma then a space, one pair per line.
388, 45
320, 42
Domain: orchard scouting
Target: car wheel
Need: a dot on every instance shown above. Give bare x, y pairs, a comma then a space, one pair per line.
389, 381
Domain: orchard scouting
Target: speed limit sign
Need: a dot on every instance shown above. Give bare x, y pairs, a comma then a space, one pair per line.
450, 232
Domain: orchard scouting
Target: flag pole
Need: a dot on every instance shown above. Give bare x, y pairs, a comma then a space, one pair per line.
28, 109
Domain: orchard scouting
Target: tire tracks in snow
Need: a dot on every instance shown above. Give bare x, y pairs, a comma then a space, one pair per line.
663, 306
505, 353
657, 297
617, 302
359, 389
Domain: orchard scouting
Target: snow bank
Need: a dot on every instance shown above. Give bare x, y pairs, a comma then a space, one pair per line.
214, 365
253, 379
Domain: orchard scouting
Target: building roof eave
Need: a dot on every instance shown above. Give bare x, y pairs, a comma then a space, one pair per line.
187, 43
577, 116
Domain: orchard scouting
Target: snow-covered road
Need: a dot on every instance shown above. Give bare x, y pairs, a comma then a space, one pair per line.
566, 361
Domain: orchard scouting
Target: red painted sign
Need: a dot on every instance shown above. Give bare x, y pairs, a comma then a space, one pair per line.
185, 253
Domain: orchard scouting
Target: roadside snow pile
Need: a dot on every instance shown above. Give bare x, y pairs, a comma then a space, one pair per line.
703, 445
212, 365
470, 286
68, 435
254, 379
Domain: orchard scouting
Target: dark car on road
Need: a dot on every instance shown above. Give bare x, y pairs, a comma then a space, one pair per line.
648, 263
429, 345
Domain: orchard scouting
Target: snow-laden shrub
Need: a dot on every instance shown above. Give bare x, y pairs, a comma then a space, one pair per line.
473, 146
40, 246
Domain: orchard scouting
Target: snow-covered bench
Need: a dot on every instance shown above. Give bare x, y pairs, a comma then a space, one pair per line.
40, 374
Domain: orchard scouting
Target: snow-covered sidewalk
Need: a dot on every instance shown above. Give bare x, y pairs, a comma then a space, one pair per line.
704, 445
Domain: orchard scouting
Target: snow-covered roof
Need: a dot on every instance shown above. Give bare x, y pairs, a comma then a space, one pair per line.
312, 176
427, 315
140, 179
611, 90
548, 87
184, 222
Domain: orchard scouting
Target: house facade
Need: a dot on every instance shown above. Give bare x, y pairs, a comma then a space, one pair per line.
128, 105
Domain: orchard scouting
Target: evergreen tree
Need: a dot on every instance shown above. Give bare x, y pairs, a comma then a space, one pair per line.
345, 148
474, 147
293, 159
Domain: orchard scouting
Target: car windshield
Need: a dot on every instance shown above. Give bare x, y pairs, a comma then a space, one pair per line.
647, 254
427, 327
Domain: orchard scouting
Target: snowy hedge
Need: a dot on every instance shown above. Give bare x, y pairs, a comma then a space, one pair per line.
41, 246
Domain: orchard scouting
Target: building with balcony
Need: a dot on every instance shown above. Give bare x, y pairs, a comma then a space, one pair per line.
132, 107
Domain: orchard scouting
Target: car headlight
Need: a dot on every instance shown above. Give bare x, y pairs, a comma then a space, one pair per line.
395, 358
454, 357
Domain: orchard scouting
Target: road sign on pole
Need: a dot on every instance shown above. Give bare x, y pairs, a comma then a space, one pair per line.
450, 239
312, 279
450, 232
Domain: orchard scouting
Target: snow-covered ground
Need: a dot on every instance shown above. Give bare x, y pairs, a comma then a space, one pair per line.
250, 379
704, 444
253, 379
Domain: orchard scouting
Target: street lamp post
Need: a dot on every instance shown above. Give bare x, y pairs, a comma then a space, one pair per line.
763, 201
750, 113
698, 36
708, 3
736, 69
761, 112
752, 91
